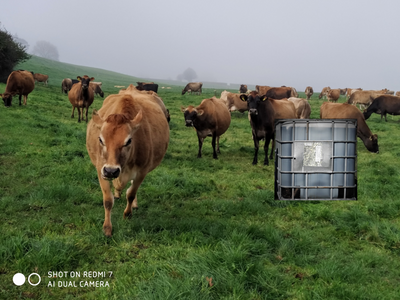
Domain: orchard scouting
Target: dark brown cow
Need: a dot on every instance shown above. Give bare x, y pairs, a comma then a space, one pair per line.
233, 101
193, 87
303, 108
309, 92
210, 118
262, 89
383, 105
333, 95
279, 92
81, 96
126, 139
18, 83
263, 112
348, 111
243, 88
96, 86
66, 85
41, 78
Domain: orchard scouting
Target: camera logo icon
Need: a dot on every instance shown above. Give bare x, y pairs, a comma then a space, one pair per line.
19, 279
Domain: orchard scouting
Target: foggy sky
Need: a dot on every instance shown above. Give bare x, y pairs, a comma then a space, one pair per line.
293, 43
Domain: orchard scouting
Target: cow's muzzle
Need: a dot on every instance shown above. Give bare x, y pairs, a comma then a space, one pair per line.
253, 111
110, 173
189, 123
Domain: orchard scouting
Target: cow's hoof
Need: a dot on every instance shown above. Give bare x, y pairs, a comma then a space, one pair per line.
107, 231
128, 215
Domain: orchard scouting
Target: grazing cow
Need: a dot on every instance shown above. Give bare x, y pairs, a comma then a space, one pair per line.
262, 89
141, 83
18, 83
323, 93
294, 93
385, 104
350, 91
41, 78
303, 108
388, 92
309, 92
343, 91
243, 88
210, 118
148, 87
81, 96
347, 111
96, 86
193, 87
364, 98
126, 139
279, 92
66, 85
333, 95
263, 112
233, 101
133, 91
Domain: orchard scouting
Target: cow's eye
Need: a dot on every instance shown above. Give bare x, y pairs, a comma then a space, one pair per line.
128, 142
101, 141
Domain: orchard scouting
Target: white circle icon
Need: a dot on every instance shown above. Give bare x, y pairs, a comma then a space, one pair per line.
19, 279
29, 279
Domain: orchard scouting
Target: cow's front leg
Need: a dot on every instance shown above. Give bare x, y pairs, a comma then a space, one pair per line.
131, 196
256, 146
201, 139
108, 202
266, 145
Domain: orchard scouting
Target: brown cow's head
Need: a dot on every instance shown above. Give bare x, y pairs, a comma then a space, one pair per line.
190, 113
116, 141
372, 143
7, 98
85, 81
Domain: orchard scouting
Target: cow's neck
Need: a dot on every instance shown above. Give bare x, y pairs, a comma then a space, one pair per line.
85, 93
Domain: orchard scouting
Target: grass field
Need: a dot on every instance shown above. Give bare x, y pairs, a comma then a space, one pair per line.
205, 228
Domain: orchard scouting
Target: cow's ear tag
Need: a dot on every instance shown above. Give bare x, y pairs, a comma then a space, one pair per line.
264, 98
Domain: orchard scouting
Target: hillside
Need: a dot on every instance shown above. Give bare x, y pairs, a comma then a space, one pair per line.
57, 71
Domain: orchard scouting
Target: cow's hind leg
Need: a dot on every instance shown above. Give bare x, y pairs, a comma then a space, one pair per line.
131, 197
200, 145
79, 114
256, 146
25, 99
266, 145
214, 138
20, 96
73, 110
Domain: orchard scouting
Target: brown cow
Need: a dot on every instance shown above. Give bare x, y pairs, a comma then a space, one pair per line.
233, 101
193, 87
41, 78
18, 83
397, 93
323, 93
350, 91
262, 89
210, 118
333, 95
126, 139
81, 96
279, 92
96, 86
385, 104
263, 112
66, 85
243, 88
303, 108
364, 98
309, 92
347, 111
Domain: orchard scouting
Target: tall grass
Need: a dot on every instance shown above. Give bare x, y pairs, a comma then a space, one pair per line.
205, 228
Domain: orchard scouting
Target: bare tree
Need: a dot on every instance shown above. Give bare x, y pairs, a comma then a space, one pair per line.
189, 74
46, 50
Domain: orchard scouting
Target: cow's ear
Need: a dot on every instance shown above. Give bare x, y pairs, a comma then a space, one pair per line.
91, 79
263, 98
79, 78
183, 109
373, 137
97, 120
200, 112
243, 97
135, 123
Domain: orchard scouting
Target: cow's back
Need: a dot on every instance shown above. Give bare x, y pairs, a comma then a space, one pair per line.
283, 109
21, 82
217, 114
76, 98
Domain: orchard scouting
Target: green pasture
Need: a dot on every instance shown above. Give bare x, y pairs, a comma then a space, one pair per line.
205, 228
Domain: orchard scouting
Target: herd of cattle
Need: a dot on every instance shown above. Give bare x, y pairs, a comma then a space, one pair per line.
129, 135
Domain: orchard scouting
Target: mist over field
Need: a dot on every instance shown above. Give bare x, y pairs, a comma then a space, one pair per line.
337, 44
